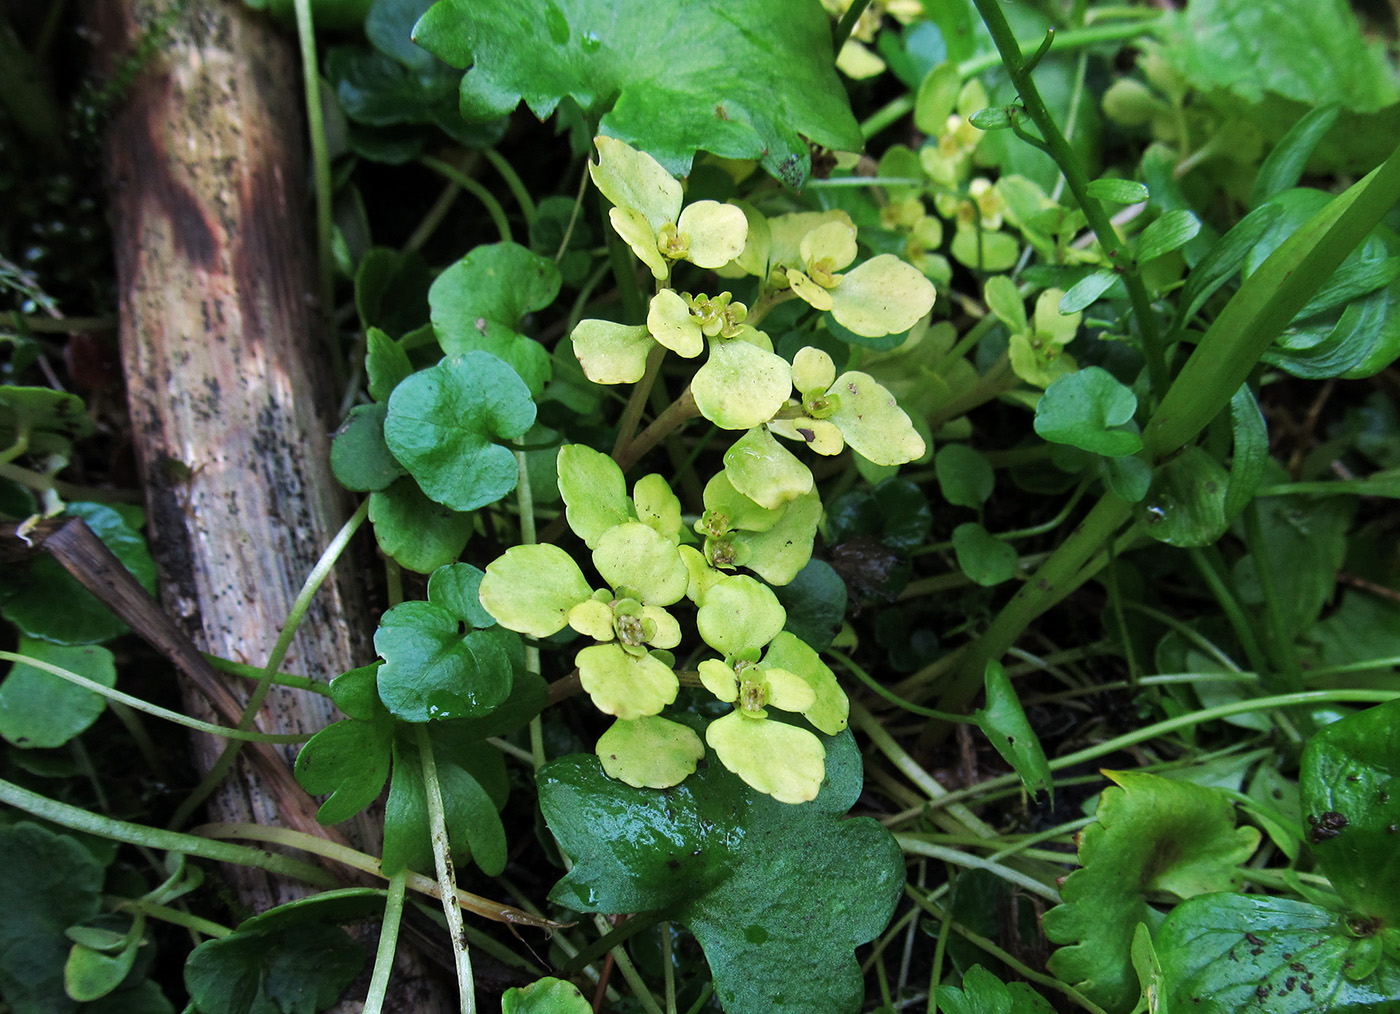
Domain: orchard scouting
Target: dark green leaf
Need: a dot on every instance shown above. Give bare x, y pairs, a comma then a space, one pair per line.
1152, 836
1171, 231
815, 602
1004, 723
443, 421
1186, 503
741, 78
1091, 410
479, 302
472, 777
360, 458
52, 419
964, 477
1083, 292
1223, 259
1117, 191
1251, 452
386, 364
1305, 541
419, 534
91, 973
376, 90
391, 295
297, 970
456, 588
982, 556
1130, 477
51, 882
907, 517
39, 709
389, 28
1283, 167
432, 671
341, 905
1352, 807
778, 895
1351, 281
1227, 953
48, 603
350, 761
355, 694
143, 998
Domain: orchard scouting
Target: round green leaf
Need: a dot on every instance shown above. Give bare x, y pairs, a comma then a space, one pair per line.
349, 760
431, 671
964, 477
885, 295
764, 470
779, 760
1185, 505
360, 458
532, 588
546, 996
628, 686
831, 709
741, 386
39, 709
443, 420
638, 558
650, 752
457, 589
594, 492
739, 615
982, 556
779, 553
612, 353
1090, 410
872, 421
419, 534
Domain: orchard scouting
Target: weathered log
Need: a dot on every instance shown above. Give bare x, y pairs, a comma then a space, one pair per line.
226, 384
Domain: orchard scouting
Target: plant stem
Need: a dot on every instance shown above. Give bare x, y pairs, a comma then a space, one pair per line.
488, 200
919, 845
681, 410
1058, 148
446, 876
321, 173
295, 615
388, 944
514, 183
847, 24
637, 402
154, 710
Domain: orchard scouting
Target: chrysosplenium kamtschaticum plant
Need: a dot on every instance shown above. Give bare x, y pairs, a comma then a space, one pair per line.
660, 583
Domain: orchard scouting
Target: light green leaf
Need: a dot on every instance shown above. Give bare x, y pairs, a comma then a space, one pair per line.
1117, 190
741, 386
831, 709
780, 760
386, 364
657, 506
983, 993
632, 179
1172, 231
739, 615
1004, 723
872, 422
1185, 505
1004, 300
612, 353
1083, 292
639, 559
650, 752
885, 295
1151, 836
778, 553
546, 996
594, 492
532, 588
764, 470
443, 421
628, 686
671, 323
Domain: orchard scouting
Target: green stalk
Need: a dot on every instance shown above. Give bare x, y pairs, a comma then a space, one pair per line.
295, 615
920, 845
488, 200
847, 24
321, 173
1077, 179
388, 944
514, 183
167, 841
446, 876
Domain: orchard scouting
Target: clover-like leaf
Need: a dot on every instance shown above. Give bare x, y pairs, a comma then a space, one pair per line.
443, 422
1151, 835
671, 323
532, 589
885, 295
594, 492
764, 470
349, 760
478, 304
983, 993
612, 353
777, 759
650, 752
741, 385
1090, 410
302, 967
872, 422
360, 459
640, 559
778, 895
1185, 503
1352, 807
656, 79
626, 685
1224, 953
545, 996
39, 709
982, 556
738, 615
432, 671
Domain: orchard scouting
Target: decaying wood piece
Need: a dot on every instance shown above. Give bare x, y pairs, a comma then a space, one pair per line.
225, 380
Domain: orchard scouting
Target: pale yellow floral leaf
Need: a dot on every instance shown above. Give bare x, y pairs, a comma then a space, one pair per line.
611, 353
649, 753
741, 386
633, 179
717, 233
673, 325
873, 423
625, 685
783, 761
885, 295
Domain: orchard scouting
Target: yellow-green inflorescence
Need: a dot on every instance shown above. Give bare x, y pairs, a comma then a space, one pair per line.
760, 513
